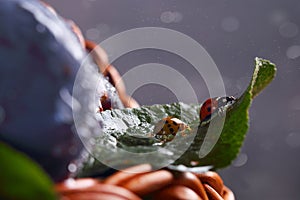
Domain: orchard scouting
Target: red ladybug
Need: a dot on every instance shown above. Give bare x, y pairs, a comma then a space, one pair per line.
210, 106
105, 103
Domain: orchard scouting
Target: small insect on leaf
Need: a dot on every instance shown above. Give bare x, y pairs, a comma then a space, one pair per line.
167, 128
213, 106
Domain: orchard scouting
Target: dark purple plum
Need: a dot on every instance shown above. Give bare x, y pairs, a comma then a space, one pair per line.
39, 59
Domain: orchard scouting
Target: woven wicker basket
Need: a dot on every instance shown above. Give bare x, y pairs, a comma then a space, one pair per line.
147, 184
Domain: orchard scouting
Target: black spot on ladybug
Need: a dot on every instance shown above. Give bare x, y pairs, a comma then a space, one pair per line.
171, 130
208, 109
167, 121
174, 123
169, 125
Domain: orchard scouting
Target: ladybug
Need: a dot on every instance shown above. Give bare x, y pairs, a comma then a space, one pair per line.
105, 103
168, 127
213, 105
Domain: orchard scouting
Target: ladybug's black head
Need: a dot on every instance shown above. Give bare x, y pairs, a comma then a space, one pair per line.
230, 98
225, 100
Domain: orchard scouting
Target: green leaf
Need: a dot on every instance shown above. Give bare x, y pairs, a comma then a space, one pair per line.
129, 129
21, 178
236, 123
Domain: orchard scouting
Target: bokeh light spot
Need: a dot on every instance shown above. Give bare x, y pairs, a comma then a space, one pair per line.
293, 139
240, 160
230, 24
171, 17
288, 30
92, 34
293, 52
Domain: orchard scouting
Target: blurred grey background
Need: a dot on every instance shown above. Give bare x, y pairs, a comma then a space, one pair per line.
234, 33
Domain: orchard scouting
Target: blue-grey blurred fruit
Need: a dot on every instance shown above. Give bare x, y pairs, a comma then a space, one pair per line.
39, 59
